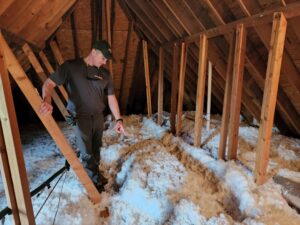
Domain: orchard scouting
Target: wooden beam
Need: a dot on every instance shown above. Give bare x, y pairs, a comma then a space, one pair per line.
203, 43
150, 15
13, 142
50, 71
74, 34
289, 80
270, 95
24, 16
160, 86
150, 26
290, 11
42, 76
129, 34
147, 78
108, 26
56, 52
35, 101
227, 102
181, 87
4, 5
208, 104
236, 93
46, 21
174, 88
7, 180
257, 71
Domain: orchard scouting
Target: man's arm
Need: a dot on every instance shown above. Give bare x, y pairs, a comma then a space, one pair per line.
48, 86
114, 108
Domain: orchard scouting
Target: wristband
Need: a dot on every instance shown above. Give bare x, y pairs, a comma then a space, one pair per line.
119, 120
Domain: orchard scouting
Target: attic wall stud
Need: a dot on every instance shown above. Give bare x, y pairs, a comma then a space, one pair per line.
270, 96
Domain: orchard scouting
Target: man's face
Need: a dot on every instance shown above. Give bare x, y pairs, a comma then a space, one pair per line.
98, 58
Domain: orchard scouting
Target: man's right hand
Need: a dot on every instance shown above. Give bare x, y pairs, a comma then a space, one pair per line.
46, 108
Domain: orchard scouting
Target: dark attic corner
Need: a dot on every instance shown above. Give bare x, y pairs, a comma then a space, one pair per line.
158, 112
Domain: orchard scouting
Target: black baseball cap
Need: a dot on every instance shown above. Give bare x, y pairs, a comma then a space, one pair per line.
104, 47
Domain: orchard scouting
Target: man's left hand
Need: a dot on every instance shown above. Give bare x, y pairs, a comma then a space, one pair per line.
119, 127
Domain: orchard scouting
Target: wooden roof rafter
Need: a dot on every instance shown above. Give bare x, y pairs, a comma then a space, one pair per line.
259, 74
290, 11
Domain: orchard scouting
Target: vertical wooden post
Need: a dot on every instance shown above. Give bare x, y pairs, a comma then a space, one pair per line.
50, 71
7, 180
270, 95
13, 144
147, 78
56, 52
236, 94
208, 105
227, 103
174, 88
42, 76
200, 89
160, 86
35, 101
109, 40
181, 87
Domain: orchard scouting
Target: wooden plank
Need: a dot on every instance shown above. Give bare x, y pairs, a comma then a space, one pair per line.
35, 101
4, 5
42, 76
43, 20
147, 23
236, 93
7, 180
289, 80
13, 143
108, 26
26, 15
50, 71
74, 34
208, 104
270, 95
12, 12
290, 11
145, 8
129, 34
167, 16
227, 103
181, 87
56, 52
147, 78
203, 43
130, 65
257, 70
160, 86
174, 88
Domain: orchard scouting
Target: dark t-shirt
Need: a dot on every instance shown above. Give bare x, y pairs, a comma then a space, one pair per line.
86, 86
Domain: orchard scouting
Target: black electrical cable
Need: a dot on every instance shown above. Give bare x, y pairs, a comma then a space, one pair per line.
8, 211
62, 186
49, 195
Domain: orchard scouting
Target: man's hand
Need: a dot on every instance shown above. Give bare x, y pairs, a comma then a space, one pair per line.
119, 128
46, 108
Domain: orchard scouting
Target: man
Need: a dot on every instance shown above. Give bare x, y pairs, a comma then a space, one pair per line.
87, 83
